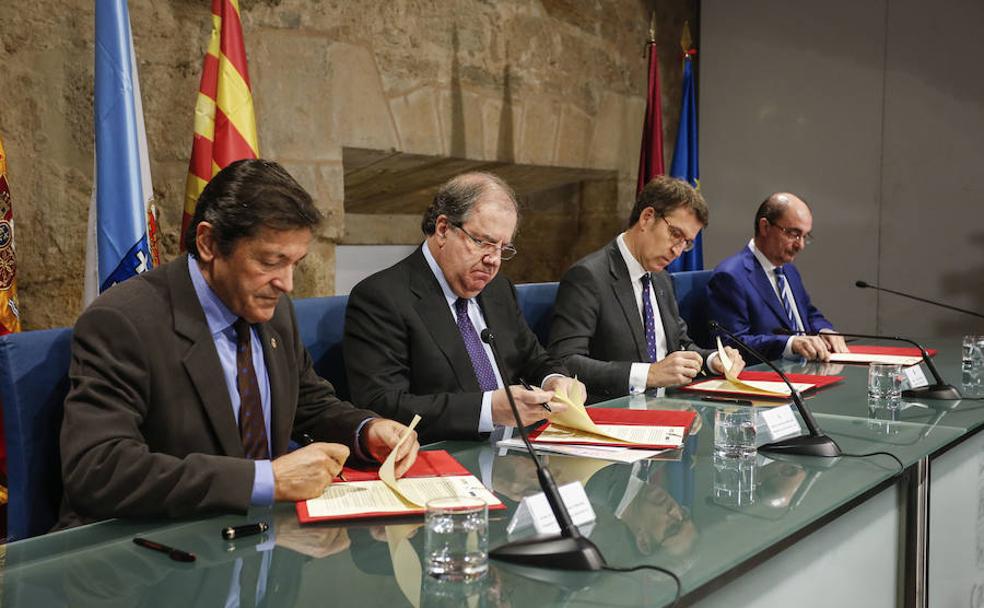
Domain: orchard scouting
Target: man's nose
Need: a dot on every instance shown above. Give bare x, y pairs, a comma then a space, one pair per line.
284, 281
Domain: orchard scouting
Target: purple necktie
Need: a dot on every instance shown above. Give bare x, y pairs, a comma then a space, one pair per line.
647, 318
252, 426
480, 361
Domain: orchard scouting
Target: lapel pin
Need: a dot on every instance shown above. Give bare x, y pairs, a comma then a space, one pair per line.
273, 342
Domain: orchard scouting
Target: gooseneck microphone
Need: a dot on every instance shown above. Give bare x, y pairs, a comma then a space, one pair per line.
570, 550
939, 390
866, 285
814, 444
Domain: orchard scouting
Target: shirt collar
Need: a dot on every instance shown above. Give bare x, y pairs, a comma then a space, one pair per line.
636, 271
768, 266
217, 314
449, 294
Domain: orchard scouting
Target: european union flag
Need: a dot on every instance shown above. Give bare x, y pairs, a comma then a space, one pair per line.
685, 165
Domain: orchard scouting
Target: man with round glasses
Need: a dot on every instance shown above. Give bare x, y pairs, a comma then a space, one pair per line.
759, 289
616, 323
413, 331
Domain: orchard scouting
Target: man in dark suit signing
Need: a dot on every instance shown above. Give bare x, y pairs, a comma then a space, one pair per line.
759, 289
412, 332
616, 323
188, 382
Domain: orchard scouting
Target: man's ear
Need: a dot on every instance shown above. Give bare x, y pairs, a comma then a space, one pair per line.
205, 240
646, 217
760, 229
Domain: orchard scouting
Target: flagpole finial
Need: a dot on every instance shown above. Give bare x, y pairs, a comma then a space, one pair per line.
652, 27
686, 40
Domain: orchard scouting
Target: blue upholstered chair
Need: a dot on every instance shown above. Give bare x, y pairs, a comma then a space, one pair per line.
691, 295
536, 300
33, 385
321, 322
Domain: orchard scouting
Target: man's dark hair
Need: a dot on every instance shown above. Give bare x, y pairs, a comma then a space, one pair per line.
665, 195
248, 195
772, 209
458, 196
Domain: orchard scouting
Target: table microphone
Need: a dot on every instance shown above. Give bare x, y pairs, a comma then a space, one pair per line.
570, 550
939, 390
814, 444
864, 284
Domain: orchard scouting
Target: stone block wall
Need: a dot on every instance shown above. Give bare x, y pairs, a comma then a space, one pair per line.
548, 82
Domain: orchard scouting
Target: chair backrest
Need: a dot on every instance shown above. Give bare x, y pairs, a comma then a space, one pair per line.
691, 295
536, 300
321, 322
33, 385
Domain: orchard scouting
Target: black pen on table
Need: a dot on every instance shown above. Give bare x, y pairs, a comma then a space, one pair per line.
726, 400
527, 386
308, 440
234, 532
176, 554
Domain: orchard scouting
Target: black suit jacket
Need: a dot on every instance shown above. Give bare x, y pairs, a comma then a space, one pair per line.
597, 330
149, 430
405, 356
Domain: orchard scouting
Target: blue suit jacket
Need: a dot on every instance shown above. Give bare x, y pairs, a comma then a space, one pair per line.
741, 298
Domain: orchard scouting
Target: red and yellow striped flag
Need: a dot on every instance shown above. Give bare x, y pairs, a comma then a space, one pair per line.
9, 315
225, 127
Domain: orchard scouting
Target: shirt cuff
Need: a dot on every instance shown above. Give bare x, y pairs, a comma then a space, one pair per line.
262, 495
548, 377
787, 353
485, 417
709, 363
358, 442
638, 377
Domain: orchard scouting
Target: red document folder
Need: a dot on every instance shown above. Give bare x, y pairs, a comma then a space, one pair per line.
435, 463
601, 415
816, 381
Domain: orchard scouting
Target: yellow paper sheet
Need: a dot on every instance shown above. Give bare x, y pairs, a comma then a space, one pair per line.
387, 472
778, 389
576, 417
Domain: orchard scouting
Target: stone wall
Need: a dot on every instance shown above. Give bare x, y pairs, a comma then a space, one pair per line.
548, 83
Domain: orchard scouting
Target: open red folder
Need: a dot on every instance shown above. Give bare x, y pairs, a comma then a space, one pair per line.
863, 355
678, 423
364, 495
813, 382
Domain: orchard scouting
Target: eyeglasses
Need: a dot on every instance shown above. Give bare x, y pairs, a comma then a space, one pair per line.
678, 236
793, 234
505, 252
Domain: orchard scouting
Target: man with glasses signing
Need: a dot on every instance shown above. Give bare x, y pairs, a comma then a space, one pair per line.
412, 332
616, 323
759, 289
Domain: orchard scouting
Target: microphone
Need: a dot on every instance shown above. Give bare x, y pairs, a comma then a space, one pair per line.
864, 284
939, 390
570, 550
814, 444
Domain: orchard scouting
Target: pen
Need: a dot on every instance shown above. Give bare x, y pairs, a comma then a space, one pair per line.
176, 554
308, 440
233, 532
726, 400
527, 386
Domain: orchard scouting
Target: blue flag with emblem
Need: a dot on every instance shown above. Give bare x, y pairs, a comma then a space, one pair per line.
685, 165
118, 245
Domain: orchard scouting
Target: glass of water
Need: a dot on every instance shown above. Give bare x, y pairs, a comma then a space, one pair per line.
456, 545
885, 385
972, 352
734, 432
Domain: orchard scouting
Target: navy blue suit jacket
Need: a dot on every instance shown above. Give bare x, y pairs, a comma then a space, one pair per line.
741, 298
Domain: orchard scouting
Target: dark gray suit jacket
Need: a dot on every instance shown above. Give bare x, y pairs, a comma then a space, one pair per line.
149, 430
597, 329
404, 354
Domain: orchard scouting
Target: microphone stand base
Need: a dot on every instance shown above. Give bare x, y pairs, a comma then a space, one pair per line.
805, 445
555, 552
933, 391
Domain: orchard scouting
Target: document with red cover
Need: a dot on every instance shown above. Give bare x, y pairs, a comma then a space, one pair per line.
771, 385
902, 355
435, 474
642, 429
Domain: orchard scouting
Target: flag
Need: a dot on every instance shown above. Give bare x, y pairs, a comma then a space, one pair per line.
651, 155
685, 165
225, 127
9, 314
122, 218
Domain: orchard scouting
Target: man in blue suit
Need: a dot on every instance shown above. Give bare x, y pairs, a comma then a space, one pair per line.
759, 289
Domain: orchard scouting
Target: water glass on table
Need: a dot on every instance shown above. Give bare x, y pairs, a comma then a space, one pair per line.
885, 385
456, 544
734, 432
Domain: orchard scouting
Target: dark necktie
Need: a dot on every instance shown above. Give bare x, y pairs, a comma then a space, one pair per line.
480, 361
647, 318
252, 427
787, 303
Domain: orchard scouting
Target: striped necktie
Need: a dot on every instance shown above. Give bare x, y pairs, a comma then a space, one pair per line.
787, 301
